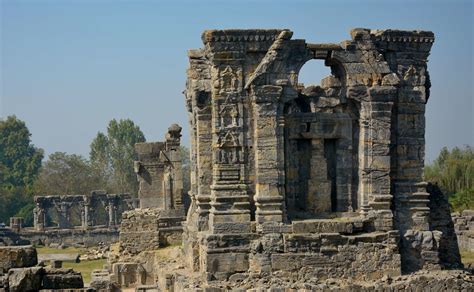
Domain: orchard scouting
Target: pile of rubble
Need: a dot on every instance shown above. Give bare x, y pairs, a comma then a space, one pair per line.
19, 271
95, 253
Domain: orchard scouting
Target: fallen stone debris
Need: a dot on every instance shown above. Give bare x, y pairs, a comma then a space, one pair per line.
19, 272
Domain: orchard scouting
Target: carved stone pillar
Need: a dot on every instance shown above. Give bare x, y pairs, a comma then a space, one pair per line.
173, 172
269, 193
230, 206
63, 215
204, 166
112, 209
86, 217
375, 156
36, 218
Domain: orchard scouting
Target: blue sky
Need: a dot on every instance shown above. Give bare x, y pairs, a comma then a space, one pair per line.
68, 67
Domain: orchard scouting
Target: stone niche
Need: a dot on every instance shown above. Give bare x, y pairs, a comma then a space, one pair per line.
321, 180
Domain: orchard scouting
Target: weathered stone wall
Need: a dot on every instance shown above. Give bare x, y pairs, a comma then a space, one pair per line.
10, 237
159, 172
71, 237
157, 222
464, 226
149, 229
422, 281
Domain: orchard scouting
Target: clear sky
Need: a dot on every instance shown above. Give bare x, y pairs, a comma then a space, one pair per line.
68, 67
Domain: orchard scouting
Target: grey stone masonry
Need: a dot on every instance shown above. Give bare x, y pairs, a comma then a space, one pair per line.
88, 207
157, 222
320, 180
159, 172
464, 226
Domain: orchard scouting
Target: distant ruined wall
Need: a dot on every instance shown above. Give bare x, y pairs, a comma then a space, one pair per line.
88, 208
72, 237
464, 226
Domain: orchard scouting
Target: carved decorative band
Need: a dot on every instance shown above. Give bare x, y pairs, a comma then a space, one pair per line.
406, 39
245, 38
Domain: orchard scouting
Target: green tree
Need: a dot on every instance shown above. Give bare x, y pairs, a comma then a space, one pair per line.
100, 158
12, 201
114, 154
453, 171
67, 174
20, 160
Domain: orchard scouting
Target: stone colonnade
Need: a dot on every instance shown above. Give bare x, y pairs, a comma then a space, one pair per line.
113, 204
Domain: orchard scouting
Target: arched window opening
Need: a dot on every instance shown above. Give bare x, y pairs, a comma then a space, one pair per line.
312, 73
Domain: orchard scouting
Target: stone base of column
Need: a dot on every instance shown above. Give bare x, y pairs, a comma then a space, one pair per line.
269, 204
230, 209
202, 212
381, 204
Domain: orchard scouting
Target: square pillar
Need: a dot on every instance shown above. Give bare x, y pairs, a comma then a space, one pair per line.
268, 141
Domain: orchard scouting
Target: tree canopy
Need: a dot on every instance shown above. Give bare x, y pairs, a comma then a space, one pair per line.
67, 174
453, 171
20, 160
113, 155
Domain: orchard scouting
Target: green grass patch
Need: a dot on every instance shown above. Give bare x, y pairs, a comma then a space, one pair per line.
86, 268
467, 257
49, 250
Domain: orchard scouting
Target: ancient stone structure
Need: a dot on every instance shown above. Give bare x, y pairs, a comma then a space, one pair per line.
88, 207
158, 220
159, 172
16, 223
318, 181
80, 220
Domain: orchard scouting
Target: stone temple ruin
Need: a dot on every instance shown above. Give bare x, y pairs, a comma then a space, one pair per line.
157, 222
293, 188
321, 181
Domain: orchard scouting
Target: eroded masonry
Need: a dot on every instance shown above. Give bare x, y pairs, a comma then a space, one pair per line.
324, 180
157, 222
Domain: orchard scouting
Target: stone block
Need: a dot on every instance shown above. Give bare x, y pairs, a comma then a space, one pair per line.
62, 279
25, 279
17, 257
230, 263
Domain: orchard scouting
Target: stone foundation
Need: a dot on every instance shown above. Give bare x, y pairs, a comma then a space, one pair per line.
149, 229
71, 237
